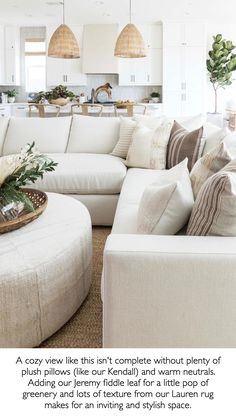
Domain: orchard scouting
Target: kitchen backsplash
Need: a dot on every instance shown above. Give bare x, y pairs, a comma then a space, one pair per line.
136, 93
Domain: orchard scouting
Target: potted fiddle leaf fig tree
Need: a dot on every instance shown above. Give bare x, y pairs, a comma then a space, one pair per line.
221, 64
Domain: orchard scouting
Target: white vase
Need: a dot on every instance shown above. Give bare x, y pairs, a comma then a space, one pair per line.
215, 119
11, 99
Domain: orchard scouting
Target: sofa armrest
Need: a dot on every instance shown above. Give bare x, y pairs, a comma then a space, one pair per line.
169, 291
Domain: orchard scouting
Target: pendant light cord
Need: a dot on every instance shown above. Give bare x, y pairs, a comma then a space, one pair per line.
130, 5
63, 4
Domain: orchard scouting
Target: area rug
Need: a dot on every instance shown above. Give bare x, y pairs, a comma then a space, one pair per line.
84, 329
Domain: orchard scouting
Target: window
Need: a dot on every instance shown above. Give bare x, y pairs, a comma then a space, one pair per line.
35, 65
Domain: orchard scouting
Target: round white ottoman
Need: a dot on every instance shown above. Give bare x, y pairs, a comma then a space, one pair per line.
45, 272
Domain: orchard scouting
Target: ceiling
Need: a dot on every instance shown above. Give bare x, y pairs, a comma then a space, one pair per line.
42, 12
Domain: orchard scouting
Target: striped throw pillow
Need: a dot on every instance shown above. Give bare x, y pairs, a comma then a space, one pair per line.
127, 127
214, 211
182, 144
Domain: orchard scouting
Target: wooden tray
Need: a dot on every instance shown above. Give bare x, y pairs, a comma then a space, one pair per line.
39, 200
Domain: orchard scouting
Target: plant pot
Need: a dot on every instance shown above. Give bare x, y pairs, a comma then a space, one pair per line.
11, 99
215, 119
155, 99
61, 101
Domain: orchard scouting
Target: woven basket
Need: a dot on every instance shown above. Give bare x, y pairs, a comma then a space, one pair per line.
63, 44
61, 101
130, 43
39, 200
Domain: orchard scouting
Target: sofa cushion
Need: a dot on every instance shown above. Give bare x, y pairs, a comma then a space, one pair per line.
3, 129
49, 134
208, 165
148, 148
166, 204
79, 173
132, 190
93, 135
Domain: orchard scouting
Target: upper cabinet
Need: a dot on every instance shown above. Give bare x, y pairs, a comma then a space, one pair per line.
148, 70
98, 49
9, 55
191, 34
12, 55
2, 70
184, 68
66, 71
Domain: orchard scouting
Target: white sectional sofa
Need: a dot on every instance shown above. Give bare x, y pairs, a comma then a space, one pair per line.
86, 171
158, 291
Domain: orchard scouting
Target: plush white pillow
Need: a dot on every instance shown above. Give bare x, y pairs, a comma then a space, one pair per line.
151, 122
191, 123
127, 127
213, 136
166, 204
149, 147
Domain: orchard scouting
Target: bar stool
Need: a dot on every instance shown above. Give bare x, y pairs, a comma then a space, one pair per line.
42, 110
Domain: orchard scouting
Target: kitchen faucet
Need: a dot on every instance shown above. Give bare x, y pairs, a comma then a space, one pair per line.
92, 95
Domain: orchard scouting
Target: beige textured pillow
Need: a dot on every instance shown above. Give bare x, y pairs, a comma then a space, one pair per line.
214, 212
148, 147
127, 127
166, 204
208, 165
183, 144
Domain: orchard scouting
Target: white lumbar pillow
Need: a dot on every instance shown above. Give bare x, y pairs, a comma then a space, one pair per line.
149, 147
166, 204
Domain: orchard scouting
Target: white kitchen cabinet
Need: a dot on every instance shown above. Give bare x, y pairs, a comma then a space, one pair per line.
98, 46
184, 68
155, 62
12, 55
2, 70
142, 71
5, 110
66, 71
154, 35
177, 34
19, 110
148, 70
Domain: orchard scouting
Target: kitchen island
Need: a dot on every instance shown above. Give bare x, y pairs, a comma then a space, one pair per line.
21, 109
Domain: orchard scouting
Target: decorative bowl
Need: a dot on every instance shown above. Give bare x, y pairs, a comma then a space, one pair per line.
39, 200
61, 101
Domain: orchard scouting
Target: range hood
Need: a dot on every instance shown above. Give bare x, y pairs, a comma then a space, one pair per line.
98, 49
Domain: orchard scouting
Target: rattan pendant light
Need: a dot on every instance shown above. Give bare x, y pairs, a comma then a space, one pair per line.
130, 43
63, 43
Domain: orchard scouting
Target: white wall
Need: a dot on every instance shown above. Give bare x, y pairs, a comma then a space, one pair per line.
228, 31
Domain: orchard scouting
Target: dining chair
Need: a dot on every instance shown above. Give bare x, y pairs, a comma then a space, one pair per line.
44, 110
88, 109
130, 109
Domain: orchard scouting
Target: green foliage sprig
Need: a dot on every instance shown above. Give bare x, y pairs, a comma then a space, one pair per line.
56, 93
221, 64
30, 166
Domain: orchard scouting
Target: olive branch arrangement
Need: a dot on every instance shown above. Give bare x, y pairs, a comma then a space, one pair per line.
17, 171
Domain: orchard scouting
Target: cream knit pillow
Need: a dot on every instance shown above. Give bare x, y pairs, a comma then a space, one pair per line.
148, 148
127, 127
166, 204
